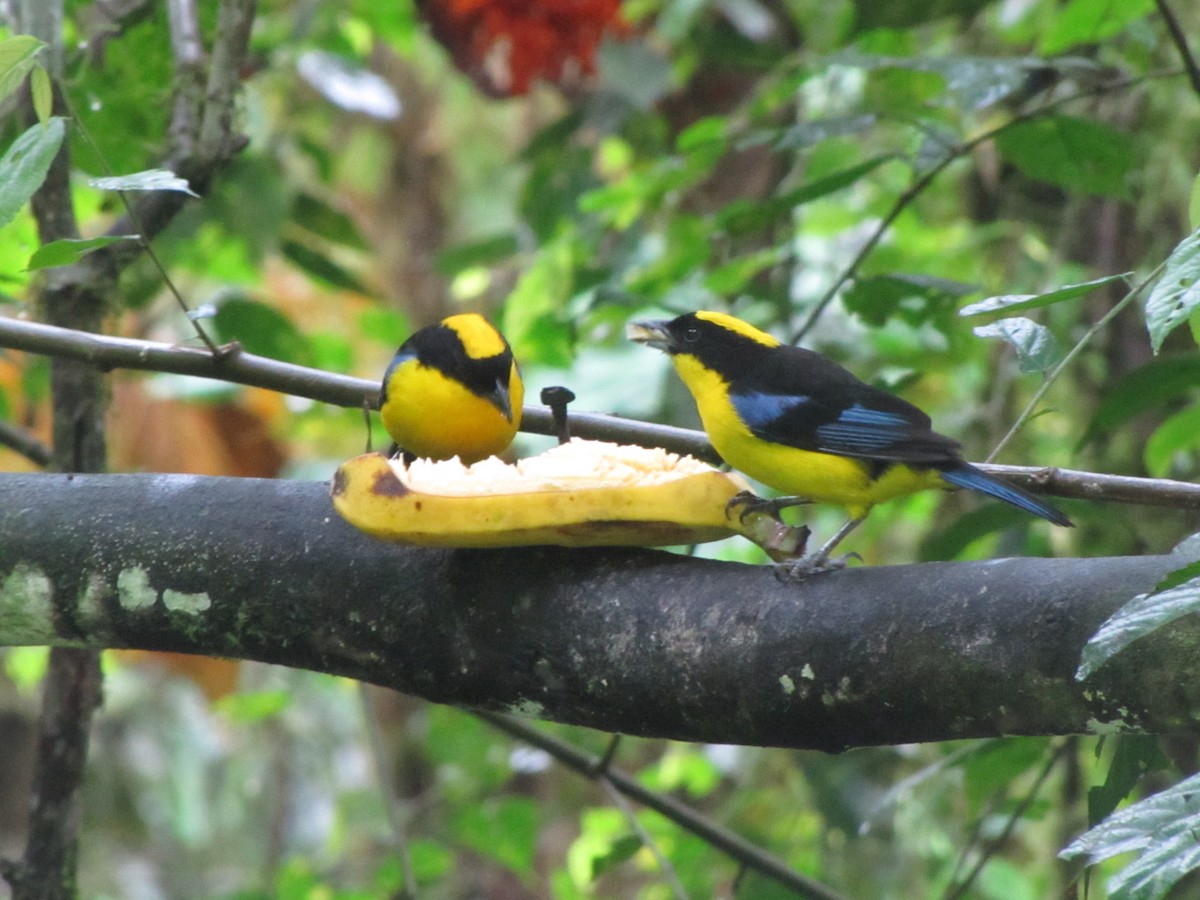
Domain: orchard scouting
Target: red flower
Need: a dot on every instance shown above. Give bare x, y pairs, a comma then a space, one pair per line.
504, 45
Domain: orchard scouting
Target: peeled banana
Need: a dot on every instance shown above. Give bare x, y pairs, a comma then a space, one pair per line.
579, 494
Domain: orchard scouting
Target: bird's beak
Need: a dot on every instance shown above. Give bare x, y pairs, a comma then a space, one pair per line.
499, 397
653, 334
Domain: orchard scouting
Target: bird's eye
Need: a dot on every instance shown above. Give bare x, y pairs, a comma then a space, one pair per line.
691, 334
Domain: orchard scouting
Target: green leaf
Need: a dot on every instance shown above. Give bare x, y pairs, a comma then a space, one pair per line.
26, 666
732, 277
1164, 378
1037, 350
317, 216
148, 180
744, 216
1091, 21
1134, 756
1185, 574
1140, 616
24, 166
806, 134
320, 266
1010, 303
1178, 434
916, 299
901, 90
262, 330
485, 252
503, 829
709, 130
42, 92
69, 250
387, 326
1077, 154
1176, 295
17, 57
620, 850
1161, 829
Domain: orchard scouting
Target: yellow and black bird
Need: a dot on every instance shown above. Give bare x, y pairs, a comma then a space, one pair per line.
453, 389
802, 424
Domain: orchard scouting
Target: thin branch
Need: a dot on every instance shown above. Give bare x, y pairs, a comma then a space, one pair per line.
108, 352
958, 890
26, 444
1048, 381
142, 240
1181, 44
393, 806
748, 854
234, 21
187, 49
918, 187
647, 839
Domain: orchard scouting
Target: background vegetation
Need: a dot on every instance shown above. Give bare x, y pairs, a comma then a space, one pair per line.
851, 174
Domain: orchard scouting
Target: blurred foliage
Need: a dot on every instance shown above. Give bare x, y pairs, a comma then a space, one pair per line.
864, 174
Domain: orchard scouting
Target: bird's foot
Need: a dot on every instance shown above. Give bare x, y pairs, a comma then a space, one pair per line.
749, 503
758, 520
800, 570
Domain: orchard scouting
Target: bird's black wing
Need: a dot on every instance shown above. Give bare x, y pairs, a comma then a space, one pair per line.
801, 399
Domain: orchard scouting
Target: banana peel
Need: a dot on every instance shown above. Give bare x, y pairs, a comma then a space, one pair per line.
579, 494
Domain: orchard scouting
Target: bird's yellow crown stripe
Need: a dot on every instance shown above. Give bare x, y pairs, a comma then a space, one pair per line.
478, 337
737, 325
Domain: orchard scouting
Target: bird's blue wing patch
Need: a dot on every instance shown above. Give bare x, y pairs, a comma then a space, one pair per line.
760, 411
860, 430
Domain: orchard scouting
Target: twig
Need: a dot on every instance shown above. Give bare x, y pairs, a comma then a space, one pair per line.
1027, 412
187, 49
391, 803
664, 864
108, 352
956, 891
1181, 44
26, 444
918, 187
71, 695
752, 856
142, 240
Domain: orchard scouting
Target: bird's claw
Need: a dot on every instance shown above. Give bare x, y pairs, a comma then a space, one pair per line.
751, 504
758, 520
800, 570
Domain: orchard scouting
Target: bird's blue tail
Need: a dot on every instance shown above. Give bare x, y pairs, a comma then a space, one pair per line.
967, 476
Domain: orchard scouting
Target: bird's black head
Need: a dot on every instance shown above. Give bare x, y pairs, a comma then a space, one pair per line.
717, 340
467, 349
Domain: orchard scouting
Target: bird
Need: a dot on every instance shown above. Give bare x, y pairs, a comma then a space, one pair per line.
453, 389
802, 424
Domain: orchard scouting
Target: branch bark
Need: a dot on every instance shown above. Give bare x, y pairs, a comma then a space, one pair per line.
638, 642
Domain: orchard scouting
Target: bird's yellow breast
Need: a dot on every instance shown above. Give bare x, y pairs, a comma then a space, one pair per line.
820, 477
433, 416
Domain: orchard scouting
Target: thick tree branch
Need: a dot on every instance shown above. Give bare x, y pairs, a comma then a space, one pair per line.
342, 390
637, 642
